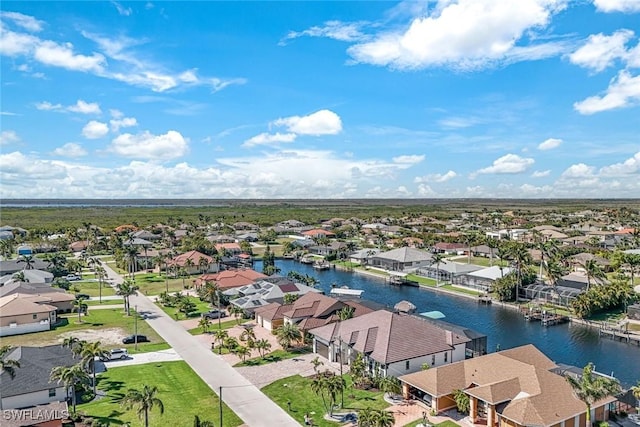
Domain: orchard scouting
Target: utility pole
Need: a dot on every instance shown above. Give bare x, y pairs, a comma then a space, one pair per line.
220, 399
135, 326
341, 377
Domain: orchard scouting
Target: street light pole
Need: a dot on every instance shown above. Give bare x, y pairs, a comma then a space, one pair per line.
220, 398
341, 377
135, 326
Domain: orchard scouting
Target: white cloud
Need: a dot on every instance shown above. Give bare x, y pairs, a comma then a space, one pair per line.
95, 130
29, 23
122, 122
70, 149
623, 91
464, 34
170, 145
54, 54
9, 137
269, 138
540, 174
579, 170
436, 177
629, 166
123, 11
80, 106
626, 6
601, 51
337, 30
408, 160
549, 144
508, 164
14, 44
323, 122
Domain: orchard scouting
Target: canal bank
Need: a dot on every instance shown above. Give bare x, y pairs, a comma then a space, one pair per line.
505, 327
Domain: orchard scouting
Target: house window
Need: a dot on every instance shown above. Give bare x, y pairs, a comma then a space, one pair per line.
433, 360
35, 316
446, 356
406, 365
52, 392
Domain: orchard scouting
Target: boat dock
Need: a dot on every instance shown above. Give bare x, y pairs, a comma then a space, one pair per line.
619, 335
485, 299
545, 318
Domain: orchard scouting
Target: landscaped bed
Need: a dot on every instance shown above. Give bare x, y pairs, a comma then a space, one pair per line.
181, 391
274, 356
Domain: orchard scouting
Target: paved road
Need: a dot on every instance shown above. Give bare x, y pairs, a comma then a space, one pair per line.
245, 399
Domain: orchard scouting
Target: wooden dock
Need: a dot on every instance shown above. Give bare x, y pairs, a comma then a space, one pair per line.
484, 299
545, 318
624, 336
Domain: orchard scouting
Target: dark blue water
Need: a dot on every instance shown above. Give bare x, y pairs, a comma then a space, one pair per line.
569, 343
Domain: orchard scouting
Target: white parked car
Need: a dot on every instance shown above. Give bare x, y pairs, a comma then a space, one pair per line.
72, 277
116, 354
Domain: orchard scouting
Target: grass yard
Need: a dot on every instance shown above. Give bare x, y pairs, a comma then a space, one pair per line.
224, 324
297, 390
155, 284
93, 303
91, 325
461, 290
201, 307
274, 356
442, 424
482, 261
181, 391
423, 281
91, 288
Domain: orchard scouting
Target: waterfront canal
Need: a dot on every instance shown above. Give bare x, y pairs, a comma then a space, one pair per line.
568, 343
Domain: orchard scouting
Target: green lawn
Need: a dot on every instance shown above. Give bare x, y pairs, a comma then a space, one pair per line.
224, 324
201, 307
442, 424
181, 391
461, 290
274, 356
91, 303
155, 284
423, 281
297, 390
95, 320
485, 262
91, 288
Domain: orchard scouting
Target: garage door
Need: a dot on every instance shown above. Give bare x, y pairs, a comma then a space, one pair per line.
322, 349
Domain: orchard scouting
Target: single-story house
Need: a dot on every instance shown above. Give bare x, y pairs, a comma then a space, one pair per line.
318, 232
483, 279
193, 262
23, 313
390, 343
31, 276
227, 279
32, 385
264, 292
146, 235
330, 249
576, 262
511, 388
449, 248
56, 297
400, 259
229, 248
11, 266
362, 256
447, 270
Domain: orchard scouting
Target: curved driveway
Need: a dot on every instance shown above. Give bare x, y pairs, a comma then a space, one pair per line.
245, 399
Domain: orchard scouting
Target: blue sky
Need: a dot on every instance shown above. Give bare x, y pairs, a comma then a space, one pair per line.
450, 98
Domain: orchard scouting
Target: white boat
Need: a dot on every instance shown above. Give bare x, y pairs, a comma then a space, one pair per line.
321, 265
345, 291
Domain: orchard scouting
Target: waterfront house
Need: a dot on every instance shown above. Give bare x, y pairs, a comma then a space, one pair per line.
390, 343
512, 388
447, 270
193, 262
266, 291
362, 256
31, 384
228, 279
400, 259
481, 280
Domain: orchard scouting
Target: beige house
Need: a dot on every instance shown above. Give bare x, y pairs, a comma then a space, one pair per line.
22, 313
513, 388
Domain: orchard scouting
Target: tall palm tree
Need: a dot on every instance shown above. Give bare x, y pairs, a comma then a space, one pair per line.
132, 254
220, 335
28, 261
520, 256
242, 351
437, 259
287, 334
144, 400
89, 352
635, 390
74, 344
590, 388
19, 277
80, 306
8, 365
127, 289
205, 323
632, 261
210, 292
101, 274
593, 272
263, 346
72, 377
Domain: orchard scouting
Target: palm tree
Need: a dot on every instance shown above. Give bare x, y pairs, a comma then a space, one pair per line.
593, 272
328, 385
520, 256
503, 254
287, 333
220, 335
635, 390
462, 401
237, 312
263, 346
101, 274
8, 365
242, 351
437, 259
74, 344
204, 323
89, 352
632, 261
145, 400
249, 336
384, 418
197, 422
316, 364
19, 277
72, 377
346, 312
28, 261
80, 306
590, 388
132, 253
127, 289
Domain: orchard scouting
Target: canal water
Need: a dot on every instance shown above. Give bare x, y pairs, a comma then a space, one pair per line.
568, 343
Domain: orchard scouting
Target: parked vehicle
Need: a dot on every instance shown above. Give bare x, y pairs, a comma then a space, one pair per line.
116, 354
131, 339
214, 314
72, 277
83, 296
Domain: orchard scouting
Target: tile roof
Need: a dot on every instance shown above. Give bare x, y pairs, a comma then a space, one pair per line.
227, 279
194, 256
20, 304
405, 254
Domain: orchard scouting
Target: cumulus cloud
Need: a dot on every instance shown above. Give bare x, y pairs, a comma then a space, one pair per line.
540, 174
80, 106
323, 122
508, 164
266, 138
626, 6
337, 30
27, 22
601, 51
629, 166
579, 170
70, 149
623, 91
465, 34
95, 130
9, 137
57, 55
549, 144
409, 160
145, 145
436, 177
122, 122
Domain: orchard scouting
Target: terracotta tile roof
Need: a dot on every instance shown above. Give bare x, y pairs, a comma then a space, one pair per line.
20, 304
227, 279
391, 337
194, 256
272, 311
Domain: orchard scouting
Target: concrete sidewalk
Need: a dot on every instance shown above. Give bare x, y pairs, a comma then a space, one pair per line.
246, 400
